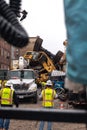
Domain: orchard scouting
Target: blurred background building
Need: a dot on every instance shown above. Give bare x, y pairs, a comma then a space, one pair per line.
9, 55
5, 54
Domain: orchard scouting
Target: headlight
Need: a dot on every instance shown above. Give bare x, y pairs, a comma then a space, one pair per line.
32, 88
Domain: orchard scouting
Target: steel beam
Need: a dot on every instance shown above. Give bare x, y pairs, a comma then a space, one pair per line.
55, 115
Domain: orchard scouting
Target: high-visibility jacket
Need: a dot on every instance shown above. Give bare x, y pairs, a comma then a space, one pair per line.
48, 96
6, 95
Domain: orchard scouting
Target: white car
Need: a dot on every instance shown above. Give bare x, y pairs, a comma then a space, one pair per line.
23, 82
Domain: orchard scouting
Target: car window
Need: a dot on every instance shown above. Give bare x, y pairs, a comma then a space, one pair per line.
22, 74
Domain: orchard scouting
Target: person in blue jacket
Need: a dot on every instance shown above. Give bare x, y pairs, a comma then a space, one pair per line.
76, 53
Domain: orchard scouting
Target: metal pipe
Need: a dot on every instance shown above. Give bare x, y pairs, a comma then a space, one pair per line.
55, 115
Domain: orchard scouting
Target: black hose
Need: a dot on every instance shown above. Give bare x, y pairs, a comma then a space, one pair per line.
10, 29
15, 6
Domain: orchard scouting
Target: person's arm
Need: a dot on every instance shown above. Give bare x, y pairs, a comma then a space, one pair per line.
15, 99
55, 95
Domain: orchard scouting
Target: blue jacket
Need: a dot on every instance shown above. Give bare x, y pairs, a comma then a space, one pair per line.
76, 52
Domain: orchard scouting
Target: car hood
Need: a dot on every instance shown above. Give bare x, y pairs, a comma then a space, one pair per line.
18, 81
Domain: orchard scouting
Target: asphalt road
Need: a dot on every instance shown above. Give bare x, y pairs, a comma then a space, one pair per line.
34, 125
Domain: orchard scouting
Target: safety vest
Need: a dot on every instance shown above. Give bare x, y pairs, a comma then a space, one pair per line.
48, 95
6, 95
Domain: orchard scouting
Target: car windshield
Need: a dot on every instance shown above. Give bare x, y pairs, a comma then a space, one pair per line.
25, 74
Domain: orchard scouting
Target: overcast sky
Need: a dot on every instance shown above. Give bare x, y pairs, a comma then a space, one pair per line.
45, 19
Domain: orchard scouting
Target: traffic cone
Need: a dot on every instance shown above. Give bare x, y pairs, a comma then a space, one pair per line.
61, 106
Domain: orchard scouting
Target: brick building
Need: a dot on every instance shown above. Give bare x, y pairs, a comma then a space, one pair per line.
9, 53
5, 54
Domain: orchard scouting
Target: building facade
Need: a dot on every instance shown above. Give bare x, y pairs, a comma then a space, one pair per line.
10, 54
5, 54
29, 47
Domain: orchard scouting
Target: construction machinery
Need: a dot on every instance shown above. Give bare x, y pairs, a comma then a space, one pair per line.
58, 77
43, 61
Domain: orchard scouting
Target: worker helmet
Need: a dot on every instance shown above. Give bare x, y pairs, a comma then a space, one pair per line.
49, 83
8, 84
